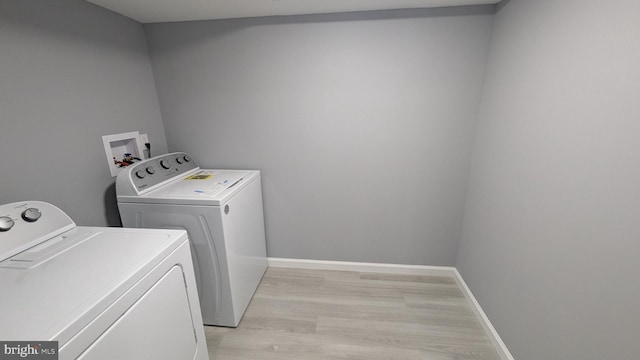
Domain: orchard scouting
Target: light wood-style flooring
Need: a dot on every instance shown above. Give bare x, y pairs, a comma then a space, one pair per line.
317, 314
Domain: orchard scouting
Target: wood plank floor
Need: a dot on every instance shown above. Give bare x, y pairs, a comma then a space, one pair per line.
316, 314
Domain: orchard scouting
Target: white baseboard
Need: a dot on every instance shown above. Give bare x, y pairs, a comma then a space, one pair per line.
449, 271
497, 342
361, 267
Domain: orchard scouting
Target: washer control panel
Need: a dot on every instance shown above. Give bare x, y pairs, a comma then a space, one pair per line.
26, 224
148, 173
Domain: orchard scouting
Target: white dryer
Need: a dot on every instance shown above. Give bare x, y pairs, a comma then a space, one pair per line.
101, 293
222, 212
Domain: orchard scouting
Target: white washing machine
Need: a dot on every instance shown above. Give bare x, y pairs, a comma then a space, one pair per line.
101, 293
222, 212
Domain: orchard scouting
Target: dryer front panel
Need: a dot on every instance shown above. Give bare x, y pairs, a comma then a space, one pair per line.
158, 326
204, 228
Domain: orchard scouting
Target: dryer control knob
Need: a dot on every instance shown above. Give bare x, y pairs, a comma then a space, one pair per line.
31, 215
6, 223
150, 170
165, 164
186, 158
179, 160
140, 174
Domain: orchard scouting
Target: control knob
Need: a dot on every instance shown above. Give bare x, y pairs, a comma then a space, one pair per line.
179, 160
31, 215
140, 174
150, 170
186, 158
165, 164
6, 223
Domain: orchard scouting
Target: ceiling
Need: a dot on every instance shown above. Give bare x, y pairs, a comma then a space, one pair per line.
150, 11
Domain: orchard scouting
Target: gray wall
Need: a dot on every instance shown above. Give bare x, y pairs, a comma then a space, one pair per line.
552, 225
361, 123
70, 72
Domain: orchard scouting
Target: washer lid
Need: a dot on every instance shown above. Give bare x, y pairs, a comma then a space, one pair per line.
74, 277
204, 187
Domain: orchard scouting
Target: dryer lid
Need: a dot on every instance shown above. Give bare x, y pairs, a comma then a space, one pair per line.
206, 187
53, 290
